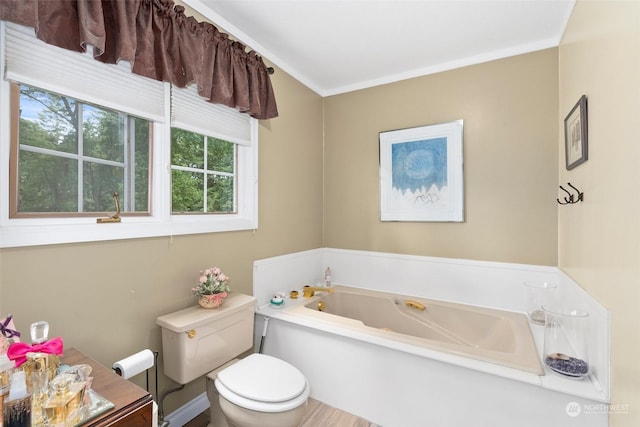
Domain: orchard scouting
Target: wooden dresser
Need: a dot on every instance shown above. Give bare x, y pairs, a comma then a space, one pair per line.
133, 404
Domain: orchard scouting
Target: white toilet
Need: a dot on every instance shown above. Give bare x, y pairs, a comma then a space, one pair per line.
257, 391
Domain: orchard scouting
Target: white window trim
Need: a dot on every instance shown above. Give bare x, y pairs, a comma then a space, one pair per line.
16, 232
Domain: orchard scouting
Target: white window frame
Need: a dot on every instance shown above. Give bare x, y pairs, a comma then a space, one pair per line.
16, 232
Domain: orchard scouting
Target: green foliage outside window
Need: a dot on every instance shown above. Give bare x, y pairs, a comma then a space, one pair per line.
60, 138
203, 173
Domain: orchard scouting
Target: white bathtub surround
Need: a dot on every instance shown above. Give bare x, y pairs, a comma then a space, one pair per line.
379, 380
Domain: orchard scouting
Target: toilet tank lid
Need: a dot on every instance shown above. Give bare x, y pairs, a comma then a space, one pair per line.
195, 316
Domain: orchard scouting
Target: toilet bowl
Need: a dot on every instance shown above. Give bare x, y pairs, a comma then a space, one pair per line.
258, 391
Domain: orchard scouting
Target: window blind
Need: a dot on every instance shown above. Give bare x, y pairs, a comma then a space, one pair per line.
189, 111
31, 61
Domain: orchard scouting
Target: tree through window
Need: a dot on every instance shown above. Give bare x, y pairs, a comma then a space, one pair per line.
203, 173
72, 156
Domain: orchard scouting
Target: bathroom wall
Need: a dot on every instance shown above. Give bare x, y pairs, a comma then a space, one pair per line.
510, 110
103, 297
599, 239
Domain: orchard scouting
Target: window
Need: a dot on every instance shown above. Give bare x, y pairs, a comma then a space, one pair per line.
203, 171
82, 130
72, 157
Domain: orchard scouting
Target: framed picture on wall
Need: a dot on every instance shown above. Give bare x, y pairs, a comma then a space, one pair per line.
421, 173
576, 134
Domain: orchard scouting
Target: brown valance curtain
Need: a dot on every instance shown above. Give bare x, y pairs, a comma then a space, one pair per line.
159, 41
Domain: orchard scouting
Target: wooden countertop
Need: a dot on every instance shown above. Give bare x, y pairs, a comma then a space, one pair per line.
133, 404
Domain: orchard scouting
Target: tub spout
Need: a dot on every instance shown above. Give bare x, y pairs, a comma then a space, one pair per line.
309, 291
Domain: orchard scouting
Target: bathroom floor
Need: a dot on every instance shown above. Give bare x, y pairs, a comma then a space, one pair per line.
318, 415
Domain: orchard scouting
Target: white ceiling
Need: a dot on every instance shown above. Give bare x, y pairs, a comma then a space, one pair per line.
336, 46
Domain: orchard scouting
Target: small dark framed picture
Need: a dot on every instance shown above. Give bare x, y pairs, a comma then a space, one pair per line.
576, 135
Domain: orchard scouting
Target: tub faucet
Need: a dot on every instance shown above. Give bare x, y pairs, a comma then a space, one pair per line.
309, 291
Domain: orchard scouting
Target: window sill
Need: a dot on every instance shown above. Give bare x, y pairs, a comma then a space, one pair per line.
24, 233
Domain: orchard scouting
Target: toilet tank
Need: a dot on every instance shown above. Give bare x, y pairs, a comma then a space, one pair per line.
197, 340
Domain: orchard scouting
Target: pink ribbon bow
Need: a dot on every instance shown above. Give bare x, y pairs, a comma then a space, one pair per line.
18, 350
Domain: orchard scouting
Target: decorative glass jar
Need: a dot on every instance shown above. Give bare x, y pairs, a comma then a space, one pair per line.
565, 344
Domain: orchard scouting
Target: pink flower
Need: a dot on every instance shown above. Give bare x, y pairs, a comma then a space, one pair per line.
211, 281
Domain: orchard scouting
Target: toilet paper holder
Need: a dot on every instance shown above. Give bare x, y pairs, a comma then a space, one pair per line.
137, 363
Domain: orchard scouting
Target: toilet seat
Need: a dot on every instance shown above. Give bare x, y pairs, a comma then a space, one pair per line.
263, 383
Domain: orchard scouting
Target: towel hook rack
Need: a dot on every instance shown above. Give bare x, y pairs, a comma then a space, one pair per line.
571, 198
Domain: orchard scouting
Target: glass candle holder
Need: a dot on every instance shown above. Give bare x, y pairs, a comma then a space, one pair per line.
565, 343
538, 294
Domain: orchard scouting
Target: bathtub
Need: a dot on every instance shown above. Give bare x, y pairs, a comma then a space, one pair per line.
454, 375
449, 365
495, 336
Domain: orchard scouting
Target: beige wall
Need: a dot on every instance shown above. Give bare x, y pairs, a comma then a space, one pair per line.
103, 298
509, 108
599, 240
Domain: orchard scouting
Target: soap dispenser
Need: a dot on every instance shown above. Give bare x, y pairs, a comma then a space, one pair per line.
327, 278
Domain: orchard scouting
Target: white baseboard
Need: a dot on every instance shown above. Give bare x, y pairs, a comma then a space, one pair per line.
188, 411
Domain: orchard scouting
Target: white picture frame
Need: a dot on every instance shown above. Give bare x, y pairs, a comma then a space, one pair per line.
421, 173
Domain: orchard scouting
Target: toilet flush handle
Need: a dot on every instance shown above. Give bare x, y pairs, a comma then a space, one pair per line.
191, 333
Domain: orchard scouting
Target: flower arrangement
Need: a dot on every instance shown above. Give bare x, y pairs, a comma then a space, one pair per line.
212, 288
212, 281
